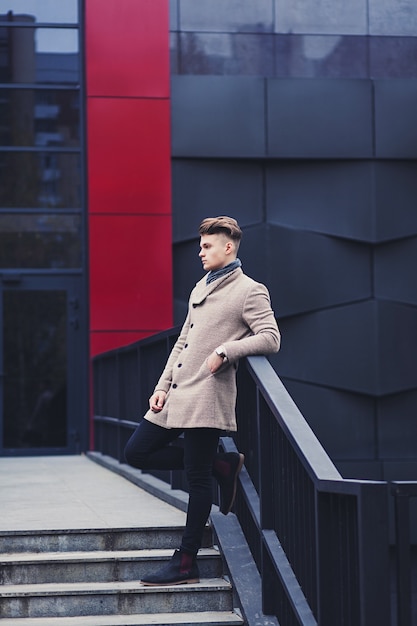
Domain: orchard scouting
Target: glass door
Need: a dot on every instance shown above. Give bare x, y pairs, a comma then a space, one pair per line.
43, 374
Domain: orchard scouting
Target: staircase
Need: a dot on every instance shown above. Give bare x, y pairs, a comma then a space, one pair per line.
91, 578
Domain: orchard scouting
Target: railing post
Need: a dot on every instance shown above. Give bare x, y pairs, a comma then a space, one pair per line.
265, 455
328, 593
353, 567
403, 560
374, 558
266, 496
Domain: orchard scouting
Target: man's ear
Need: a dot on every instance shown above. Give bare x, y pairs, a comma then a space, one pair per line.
229, 247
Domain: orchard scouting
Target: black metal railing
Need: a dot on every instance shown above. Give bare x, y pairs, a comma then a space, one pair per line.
405, 496
321, 543
123, 380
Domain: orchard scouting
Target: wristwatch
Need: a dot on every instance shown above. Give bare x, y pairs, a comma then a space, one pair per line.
221, 351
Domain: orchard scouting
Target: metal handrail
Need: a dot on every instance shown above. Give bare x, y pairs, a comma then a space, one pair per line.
330, 529
320, 542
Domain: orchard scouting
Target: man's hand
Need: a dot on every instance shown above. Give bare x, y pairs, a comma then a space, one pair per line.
214, 362
157, 400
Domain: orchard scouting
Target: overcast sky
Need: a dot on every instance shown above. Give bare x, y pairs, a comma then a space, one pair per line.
44, 10
60, 11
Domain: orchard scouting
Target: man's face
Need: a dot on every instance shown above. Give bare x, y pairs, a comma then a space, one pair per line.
216, 251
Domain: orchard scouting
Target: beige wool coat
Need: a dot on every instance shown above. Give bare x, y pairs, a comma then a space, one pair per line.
233, 311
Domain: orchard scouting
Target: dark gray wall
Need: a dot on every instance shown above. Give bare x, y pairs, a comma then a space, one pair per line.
299, 119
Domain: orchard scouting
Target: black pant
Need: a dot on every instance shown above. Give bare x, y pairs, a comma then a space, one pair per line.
148, 449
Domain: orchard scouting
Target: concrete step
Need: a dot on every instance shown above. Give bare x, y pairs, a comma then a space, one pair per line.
113, 598
75, 540
205, 618
94, 566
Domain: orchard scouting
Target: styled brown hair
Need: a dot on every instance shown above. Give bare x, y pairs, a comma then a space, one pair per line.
222, 224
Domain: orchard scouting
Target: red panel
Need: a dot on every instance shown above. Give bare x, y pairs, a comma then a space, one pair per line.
127, 48
130, 272
102, 342
129, 156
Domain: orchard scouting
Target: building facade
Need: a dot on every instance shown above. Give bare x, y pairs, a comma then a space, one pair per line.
85, 209
296, 117
299, 118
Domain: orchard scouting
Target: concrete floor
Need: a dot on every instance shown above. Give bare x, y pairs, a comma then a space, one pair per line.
71, 492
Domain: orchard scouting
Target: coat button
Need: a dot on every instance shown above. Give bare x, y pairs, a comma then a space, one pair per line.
191, 325
186, 346
174, 386
179, 364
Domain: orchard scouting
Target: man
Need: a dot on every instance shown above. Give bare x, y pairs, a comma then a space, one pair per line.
229, 317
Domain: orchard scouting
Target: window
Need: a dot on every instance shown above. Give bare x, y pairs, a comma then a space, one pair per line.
40, 147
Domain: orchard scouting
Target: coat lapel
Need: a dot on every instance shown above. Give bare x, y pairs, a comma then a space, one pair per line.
201, 291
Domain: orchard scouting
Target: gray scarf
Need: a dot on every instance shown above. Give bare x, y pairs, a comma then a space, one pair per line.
223, 271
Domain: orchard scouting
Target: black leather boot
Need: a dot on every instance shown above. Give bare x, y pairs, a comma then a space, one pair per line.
181, 569
226, 469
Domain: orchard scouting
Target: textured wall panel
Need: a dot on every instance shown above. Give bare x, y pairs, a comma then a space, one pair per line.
395, 186
127, 51
128, 150
215, 116
253, 253
371, 470
320, 118
321, 16
312, 271
174, 14
366, 348
388, 17
333, 348
174, 53
333, 229
393, 57
395, 276
233, 15
401, 470
249, 54
396, 349
395, 119
323, 196
343, 422
206, 188
397, 439
321, 56
122, 253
